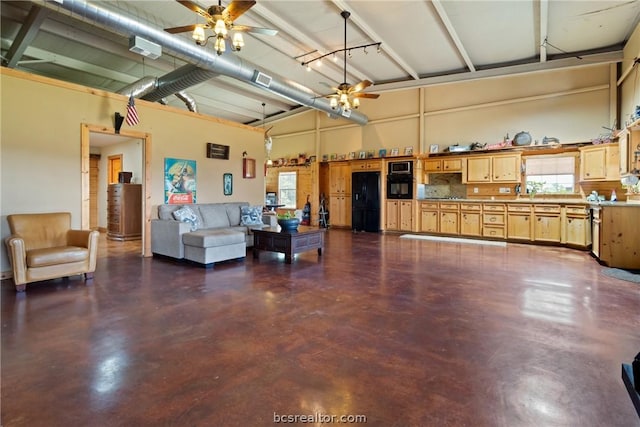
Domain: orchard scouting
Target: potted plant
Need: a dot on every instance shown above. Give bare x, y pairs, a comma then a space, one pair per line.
288, 222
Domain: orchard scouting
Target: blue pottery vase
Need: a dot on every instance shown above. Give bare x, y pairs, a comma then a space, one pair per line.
288, 225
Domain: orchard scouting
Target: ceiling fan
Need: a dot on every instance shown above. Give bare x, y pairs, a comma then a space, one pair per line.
220, 20
347, 96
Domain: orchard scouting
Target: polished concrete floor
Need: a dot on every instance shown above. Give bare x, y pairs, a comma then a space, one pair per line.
402, 332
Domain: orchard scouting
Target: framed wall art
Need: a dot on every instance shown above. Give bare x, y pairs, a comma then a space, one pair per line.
227, 183
248, 168
179, 181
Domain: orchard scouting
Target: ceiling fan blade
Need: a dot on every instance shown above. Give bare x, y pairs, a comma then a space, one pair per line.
365, 95
254, 30
237, 8
361, 86
183, 29
195, 8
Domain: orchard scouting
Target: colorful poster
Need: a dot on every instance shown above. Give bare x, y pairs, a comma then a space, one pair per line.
179, 181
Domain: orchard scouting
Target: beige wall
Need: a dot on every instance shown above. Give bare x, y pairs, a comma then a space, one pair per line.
40, 153
630, 87
570, 104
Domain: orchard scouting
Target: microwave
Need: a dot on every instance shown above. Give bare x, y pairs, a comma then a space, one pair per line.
401, 168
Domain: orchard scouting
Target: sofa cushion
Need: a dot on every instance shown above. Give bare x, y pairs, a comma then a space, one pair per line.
233, 212
251, 215
211, 238
57, 255
186, 214
214, 215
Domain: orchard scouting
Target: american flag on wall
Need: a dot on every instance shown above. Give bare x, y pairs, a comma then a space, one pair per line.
132, 114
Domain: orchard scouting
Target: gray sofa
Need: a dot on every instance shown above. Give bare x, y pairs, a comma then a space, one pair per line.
217, 234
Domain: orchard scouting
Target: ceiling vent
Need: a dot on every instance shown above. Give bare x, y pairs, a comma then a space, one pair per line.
262, 79
144, 47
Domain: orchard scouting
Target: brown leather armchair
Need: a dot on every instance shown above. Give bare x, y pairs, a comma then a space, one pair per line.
43, 246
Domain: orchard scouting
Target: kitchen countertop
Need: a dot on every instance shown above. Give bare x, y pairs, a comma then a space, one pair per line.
526, 200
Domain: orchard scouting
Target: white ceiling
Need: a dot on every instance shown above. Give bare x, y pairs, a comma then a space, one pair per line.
423, 42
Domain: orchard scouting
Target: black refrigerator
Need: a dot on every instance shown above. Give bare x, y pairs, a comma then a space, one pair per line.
365, 201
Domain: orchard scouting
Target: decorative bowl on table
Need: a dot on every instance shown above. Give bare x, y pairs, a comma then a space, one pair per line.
288, 224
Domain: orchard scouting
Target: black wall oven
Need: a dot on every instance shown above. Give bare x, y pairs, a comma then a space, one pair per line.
400, 180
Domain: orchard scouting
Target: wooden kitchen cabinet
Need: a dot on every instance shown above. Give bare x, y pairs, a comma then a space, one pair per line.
428, 217
449, 217
442, 165
519, 224
600, 162
595, 231
366, 165
546, 227
493, 220
577, 226
399, 215
471, 219
340, 194
619, 236
504, 168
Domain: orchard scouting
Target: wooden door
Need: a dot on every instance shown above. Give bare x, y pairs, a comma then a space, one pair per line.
478, 169
405, 211
392, 215
115, 167
94, 170
470, 224
506, 168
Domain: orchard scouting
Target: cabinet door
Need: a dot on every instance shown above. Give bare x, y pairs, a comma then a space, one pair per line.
452, 165
519, 226
406, 216
433, 165
392, 215
470, 224
547, 228
577, 231
593, 164
478, 169
506, 168
449, 222
429, 221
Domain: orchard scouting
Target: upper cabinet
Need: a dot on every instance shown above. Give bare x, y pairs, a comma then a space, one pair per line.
600, 162
442, 165
502, 168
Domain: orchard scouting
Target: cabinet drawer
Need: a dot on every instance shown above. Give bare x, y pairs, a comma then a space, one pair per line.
477, 207
547, 208
493, 219
428, 205
494, 208
577, 210
493, 231
114, 190
519, 208
449, 206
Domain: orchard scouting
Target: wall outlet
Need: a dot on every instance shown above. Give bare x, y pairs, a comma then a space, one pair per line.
505, 190
475, 190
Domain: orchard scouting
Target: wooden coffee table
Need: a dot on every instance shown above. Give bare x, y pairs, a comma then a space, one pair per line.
273, 240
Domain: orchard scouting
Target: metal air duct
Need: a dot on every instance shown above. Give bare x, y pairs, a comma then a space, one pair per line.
228, 65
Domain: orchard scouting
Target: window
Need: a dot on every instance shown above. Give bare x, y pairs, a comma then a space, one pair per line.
552, 174
287, 189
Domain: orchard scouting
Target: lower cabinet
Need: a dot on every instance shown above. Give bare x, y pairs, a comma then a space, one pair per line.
494, 220
577, 226
449, 218
340, 209
399, 215
617, 243
471, 219
546, 227
519, 222
428, 217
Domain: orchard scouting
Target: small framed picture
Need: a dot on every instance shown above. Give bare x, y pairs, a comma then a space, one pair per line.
382, 152
325, 157
433, 148
371, 154
352, 155
408, 151
334, 156
227, 182
395, 151
342, 157
362, 155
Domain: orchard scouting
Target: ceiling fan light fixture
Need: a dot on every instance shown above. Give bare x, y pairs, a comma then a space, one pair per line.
198, 34
356, 103
220, 28
238, 41
220, 45
333, 102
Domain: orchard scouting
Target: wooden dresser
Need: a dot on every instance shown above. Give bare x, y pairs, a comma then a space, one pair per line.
124, 211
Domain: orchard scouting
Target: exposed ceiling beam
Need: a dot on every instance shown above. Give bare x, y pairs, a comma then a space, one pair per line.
27, 33
544, 28
388, 49
453, 34
587, 60
302, 37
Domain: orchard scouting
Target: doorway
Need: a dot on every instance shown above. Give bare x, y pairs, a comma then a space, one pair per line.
89, 131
